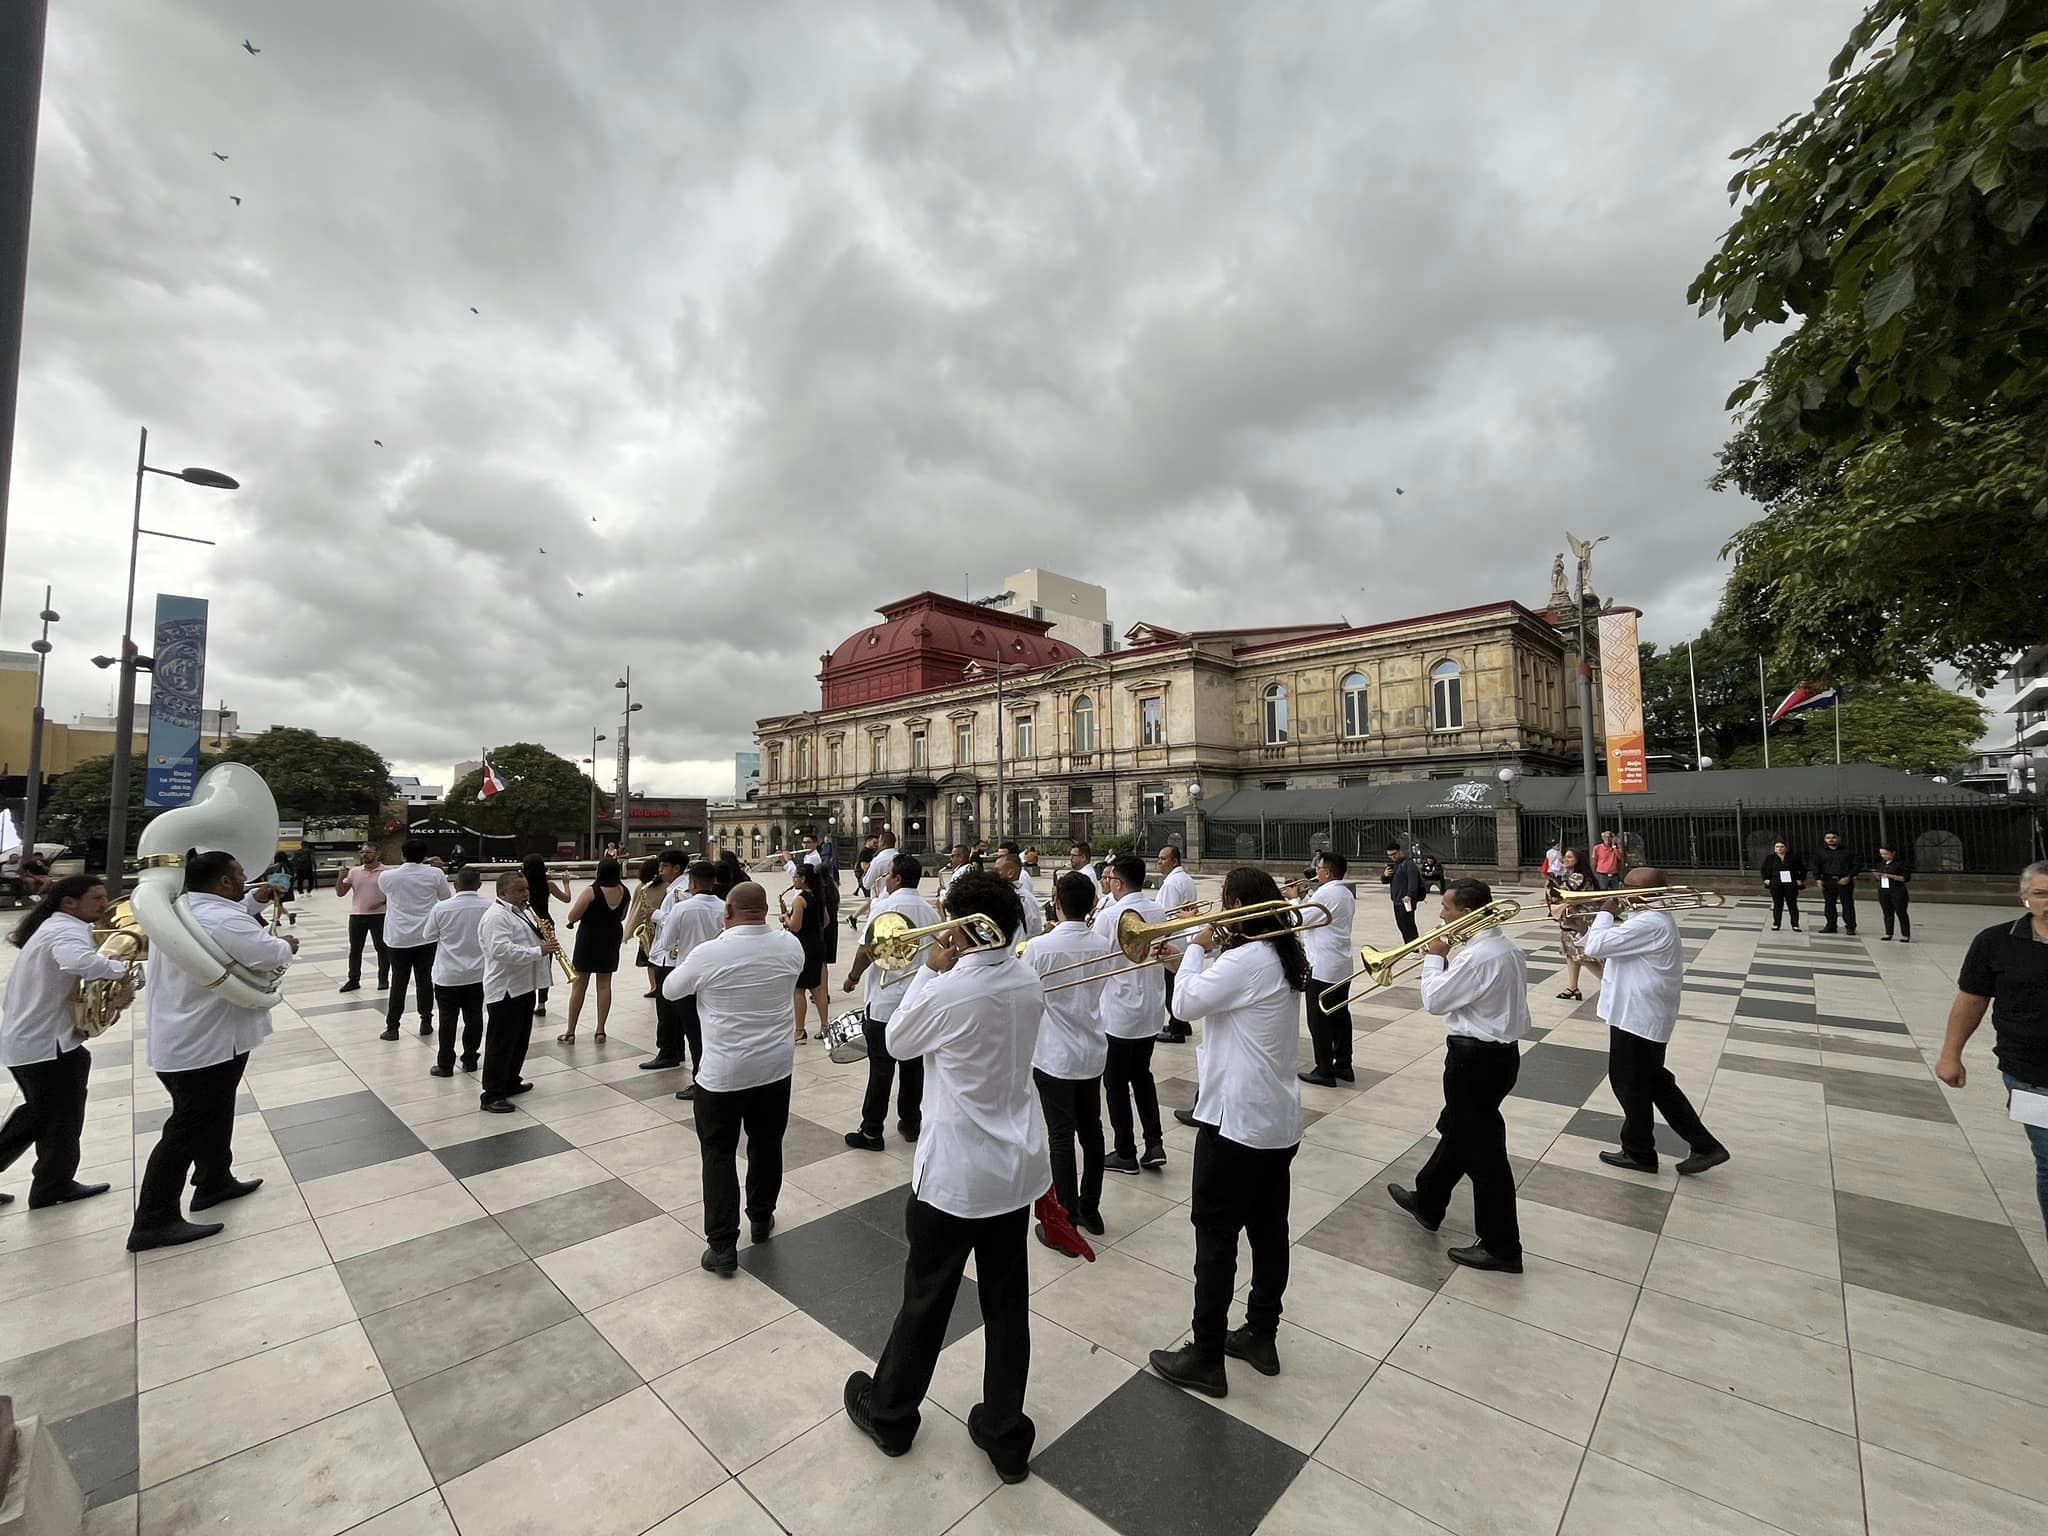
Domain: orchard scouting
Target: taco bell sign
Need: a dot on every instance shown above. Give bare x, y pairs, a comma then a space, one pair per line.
176, 694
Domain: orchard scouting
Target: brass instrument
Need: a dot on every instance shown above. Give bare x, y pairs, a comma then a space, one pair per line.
1297, 889
1136, 938
546, 929
98, 1004
894, 945
1662, 898
1384, 965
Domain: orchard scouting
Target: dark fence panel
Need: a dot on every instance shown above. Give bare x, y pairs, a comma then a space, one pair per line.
1467, 839
1157, 832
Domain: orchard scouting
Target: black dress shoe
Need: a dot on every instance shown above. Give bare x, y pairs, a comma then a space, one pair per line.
1154, 1155
1405, 1198
1121, 1162
350, 986
1187, 1367
437, 1070
762, 1230
389, 1034
687, 1093
234, 1189
1010, 1467
6, 1199
496, 1107
1320, 1079
1090, 1222
426, 1028
860, 1387
910, 1130
1260, 1351
720, 1261
519, 1087
659, 1063
1700, 1162
1623, 1160
170, 1234
861, 1141
1187, 1117
70, 1192
1476, 1257
469, 1063
1344, 1074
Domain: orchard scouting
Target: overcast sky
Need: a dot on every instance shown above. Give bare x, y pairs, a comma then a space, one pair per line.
787, 311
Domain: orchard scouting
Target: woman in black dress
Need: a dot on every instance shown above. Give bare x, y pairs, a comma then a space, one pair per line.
806, 919
541, 884
599, 918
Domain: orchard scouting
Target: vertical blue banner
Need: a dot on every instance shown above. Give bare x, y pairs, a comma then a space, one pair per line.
176, 699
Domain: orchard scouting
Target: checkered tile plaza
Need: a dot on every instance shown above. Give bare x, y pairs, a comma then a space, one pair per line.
433, 1320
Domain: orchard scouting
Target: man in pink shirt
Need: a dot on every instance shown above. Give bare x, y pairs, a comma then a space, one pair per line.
366, 916
1607, 862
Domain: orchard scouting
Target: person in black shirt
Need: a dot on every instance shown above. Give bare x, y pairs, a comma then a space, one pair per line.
2006, 970
1894, 899
1837, 868
1404, 887
1784, 873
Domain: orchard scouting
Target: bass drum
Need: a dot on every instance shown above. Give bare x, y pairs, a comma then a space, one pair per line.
846, 1037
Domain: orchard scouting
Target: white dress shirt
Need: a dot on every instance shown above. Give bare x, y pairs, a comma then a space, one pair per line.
1071, 1044
191, 1025
1246, 1059
742, 981
878, 869
1176, 889
683, 924
982, 1149
453, 929
1483, 992
513, 962
881, 997
1645, 971
1329, 944
1034, 909
1133, 1004
36, 1025
410, 892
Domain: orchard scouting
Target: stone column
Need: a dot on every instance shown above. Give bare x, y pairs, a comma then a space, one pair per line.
1507, 835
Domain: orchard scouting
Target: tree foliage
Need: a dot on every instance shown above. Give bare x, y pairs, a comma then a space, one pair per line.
74, 809
546, 797
1916, 727
313, 775
1727, 695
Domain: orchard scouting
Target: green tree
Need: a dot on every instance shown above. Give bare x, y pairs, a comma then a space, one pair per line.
546, 797
74, 810
1916, 727
1726, 670
314, 775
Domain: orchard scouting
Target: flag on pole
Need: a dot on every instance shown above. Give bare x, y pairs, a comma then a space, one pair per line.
1807, 696
493, 782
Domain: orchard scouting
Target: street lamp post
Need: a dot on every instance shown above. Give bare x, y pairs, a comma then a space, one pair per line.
33, 802
1586, 703
124, 708
626, 761
595, 738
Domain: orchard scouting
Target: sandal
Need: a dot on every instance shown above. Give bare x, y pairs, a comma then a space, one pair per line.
598, 1038
1571, 994
568, 1039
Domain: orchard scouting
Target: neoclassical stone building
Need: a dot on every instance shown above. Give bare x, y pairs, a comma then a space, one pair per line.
906, 732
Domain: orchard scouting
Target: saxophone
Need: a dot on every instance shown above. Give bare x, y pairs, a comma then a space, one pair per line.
99, 1004
546, 930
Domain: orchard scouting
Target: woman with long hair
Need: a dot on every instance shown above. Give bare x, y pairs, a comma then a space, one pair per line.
645, 895
806, 919
1576, 876
601, 913
40, 1044
540, 885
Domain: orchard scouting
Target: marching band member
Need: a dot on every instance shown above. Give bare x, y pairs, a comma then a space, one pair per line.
1329, 959
40, 1044
900, 874
697, 919
199, 1047
410, 893
1176, 890
1081, 861
670, 880
741, 980
951, 870
453, 930
979, 1165
1072, 1049
1482, 995
516, 960
1249, 1111
1011, 868
1133, 1009
1644, 969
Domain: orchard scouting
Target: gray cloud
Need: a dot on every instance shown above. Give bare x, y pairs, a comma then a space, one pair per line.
812, 307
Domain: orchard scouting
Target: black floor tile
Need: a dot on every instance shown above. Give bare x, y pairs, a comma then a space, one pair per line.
1369, 1230
805, 1142
1764, 1034
1770, 1066
884, 1212
1966, 1265
561, 1220
1919, 1098
1592, 1194
384, 1146
1849, 1045
66, 1380
1596, 1126
147, 1120
1861, 1026
1763, 968
810, 1262
1152, 1460
863, 1313
364, 1123
103, 1447
427, 1336
652, 1085
366, 1006
422, 1266
1753, 1006
1560, 1074
466, 1159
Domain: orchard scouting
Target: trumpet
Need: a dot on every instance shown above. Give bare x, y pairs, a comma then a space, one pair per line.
1383, 965
1136, 938
894, 945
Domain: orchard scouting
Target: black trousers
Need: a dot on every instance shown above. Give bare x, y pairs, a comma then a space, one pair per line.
50, 1117
1330, 1033
939, 1246
1176, 1027
1126, 1078
1896, 902
464, 1001
1784, 899
416, 962
1831, 895
1641, 1083
678, 1032
1404, 919
1238, 1189
369, 926
302, 883
763, 1113
874, 1107
508, 1030
198, 1138
1478, 1074
1073, 1110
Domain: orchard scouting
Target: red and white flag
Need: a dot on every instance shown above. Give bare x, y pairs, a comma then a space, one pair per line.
1806, 697
493, 783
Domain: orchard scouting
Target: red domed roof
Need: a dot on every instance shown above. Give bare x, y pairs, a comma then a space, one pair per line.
926, 642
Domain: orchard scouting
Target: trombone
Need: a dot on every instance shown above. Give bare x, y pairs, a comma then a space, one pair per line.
1136, 938
894, 945
1384, 965
1662, 898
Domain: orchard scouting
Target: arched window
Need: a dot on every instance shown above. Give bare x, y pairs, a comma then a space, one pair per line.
1275, 698
1084, 724
803, 759
1447, 696
1355, 714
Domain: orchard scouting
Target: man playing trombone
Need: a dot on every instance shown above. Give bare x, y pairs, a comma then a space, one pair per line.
885, 988
1133, 1009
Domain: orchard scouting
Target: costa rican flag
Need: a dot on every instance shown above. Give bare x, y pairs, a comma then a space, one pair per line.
493, 784
1807, 696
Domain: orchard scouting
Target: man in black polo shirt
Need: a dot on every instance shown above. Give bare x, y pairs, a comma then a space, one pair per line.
2007, 966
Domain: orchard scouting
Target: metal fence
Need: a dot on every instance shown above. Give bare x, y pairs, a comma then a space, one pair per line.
1465, 838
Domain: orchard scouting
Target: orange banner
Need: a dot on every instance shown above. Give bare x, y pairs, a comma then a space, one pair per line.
1621, 695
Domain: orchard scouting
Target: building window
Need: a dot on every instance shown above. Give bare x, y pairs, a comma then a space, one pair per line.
1276, 715
774, 764
832, 758
1027, 815
1084, 725
1272, 783
1447, 696
1026, 739
1355, 714
878, 753
803, 760
1151, 799
917, 758
1151, 722
1082, 796
963, 742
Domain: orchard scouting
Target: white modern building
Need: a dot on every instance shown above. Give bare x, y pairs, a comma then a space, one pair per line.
1077, 610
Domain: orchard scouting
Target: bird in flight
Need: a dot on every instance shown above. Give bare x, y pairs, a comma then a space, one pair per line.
378, 441
234, 199
543, 551
250, 48
218, 155
472, 309
1399, 492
